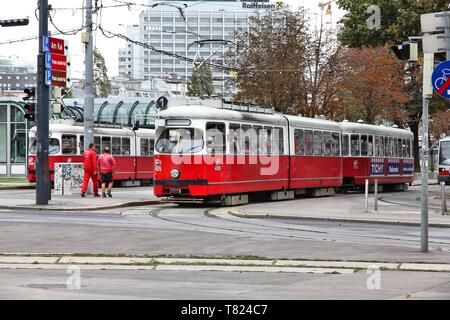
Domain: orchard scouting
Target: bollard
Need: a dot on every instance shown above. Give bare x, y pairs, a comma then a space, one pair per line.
375, 205
366, 203
443, 199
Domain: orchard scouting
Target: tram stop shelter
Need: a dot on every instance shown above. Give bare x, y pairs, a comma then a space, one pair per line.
14, 128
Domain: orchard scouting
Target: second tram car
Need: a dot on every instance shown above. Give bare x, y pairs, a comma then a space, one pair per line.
210, 150
132, 149
444, 160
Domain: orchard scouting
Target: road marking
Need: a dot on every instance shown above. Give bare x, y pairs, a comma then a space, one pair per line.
6, 210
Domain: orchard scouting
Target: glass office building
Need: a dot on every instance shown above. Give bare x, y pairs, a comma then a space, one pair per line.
165, 28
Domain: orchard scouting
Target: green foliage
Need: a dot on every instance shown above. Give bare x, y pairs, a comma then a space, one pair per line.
102, 84
201, 82
399, 19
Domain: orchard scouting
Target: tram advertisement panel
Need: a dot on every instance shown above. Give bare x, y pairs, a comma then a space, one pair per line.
394, 167
408, 167
377, 167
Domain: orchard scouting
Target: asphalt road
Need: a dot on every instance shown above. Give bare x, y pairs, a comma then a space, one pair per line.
173, 230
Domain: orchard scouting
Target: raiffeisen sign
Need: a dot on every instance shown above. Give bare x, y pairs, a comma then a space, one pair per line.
262, 5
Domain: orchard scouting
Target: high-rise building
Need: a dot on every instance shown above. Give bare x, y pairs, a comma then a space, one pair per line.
130, 56
165, 27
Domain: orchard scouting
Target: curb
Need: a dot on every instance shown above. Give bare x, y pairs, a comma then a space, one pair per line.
114, 206
348, 220
17, 188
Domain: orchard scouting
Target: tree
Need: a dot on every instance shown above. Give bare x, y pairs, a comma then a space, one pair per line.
201, 82
285, 63
399, 19
370, 88
102, 84
440, 126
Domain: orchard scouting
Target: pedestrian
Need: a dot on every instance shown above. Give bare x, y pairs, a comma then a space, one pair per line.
107, 168
90, 170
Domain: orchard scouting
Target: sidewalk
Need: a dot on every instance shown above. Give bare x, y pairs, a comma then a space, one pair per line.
122, 197
401, 208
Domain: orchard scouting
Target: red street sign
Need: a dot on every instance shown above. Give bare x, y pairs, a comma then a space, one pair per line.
55, 45
56, 62
58, 79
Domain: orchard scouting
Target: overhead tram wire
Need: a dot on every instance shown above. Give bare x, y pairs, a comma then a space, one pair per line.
110, 35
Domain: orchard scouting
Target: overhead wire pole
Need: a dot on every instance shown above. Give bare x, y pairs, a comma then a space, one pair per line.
43, 99
89, 79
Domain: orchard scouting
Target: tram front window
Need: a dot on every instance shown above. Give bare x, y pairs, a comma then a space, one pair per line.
444, 153
180, 141
53, 146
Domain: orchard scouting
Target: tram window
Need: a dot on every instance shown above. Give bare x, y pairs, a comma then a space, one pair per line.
335, 144
152, 147
318, 143
247, 138
345, 144
180, 141
328, 143
97, 144
299, 143
399, 148
258, 139
278, 141
379, 146
126, 146
53, 146
81, 144
106, 142
215, 138
235, 141
308, 142
115, 150
364, 146
370, 146
355, 145
144, 147
267, 140
444, 153
409, 148
69, 144
394, 152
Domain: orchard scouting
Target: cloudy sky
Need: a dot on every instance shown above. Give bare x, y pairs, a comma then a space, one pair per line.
112, 19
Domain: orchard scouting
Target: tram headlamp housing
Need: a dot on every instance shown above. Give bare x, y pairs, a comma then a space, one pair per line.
175, 173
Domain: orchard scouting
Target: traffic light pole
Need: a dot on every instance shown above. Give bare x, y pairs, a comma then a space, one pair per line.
43, 100
89, 81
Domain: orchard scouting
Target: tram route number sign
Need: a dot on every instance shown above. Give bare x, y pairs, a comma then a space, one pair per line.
441, 79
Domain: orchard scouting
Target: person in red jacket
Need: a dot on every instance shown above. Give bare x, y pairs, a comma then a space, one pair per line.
90, 170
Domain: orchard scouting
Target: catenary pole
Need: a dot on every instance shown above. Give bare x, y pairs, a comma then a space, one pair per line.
43, 97
89, 80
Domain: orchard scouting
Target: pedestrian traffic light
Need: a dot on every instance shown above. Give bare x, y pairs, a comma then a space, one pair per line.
14, 22
407, 51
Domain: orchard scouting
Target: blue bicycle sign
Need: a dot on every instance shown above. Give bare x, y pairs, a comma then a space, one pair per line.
441, 79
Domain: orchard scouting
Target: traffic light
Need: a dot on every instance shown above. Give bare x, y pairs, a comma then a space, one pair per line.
30, 106
30, 113
407, 51
14, 22
30, 93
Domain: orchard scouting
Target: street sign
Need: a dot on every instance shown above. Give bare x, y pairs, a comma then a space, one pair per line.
56, 46
441, 79
56, 78
56, 62
432, 22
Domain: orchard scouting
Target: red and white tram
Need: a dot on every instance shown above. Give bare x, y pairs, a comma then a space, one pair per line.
210, 150
376, 153
132, 149
444, 160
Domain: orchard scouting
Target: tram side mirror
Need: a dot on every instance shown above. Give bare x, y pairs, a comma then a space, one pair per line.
136, 125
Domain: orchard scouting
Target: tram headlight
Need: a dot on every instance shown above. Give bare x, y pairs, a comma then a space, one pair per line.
175, 173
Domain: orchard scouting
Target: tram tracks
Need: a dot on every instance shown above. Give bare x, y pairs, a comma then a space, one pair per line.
275, 229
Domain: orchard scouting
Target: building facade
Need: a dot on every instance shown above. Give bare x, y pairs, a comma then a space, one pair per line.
130, 56
165, 28
14, 78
